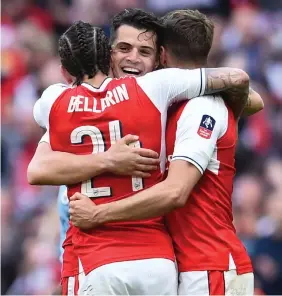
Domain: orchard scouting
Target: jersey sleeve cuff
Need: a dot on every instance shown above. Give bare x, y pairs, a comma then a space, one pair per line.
188, 159
45, 138
203, 82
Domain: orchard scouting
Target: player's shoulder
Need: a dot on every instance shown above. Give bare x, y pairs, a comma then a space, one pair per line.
161, 73
210, 106
54, 91
208, 102
43, 105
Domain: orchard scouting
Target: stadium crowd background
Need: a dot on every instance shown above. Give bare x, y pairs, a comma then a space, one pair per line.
248, 36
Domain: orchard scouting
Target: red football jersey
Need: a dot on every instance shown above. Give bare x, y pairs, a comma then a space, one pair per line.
70, 265
203, 132
85, 120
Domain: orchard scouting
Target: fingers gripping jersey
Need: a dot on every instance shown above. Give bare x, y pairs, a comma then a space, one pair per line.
203, 132
85, 120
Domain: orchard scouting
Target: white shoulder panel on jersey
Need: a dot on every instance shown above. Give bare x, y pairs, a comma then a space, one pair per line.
203, 121
165, 86
43, 105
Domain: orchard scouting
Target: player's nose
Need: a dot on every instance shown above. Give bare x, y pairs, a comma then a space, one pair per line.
133, 56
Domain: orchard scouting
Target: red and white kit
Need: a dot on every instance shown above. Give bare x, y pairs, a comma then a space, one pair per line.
203, 132
72, 276
85, 120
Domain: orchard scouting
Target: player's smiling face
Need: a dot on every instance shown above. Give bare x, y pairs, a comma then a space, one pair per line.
134, 52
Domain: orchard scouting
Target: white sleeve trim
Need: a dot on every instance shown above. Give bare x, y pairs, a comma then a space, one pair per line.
45, 138
188, 159
203, 80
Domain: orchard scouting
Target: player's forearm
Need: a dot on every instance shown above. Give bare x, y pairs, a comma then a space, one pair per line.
153, 202
254, 103
156, 201
60, 168
233, 83
222, 79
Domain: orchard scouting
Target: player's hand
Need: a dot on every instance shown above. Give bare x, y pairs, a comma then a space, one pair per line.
128, 160
81, 210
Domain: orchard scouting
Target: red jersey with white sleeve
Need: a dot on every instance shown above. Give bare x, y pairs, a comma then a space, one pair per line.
203, 131
85, 120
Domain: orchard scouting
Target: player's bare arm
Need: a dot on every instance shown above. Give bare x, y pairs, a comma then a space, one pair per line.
234, 85
191, 156
156, 201
50, 167
221, 79
254, 103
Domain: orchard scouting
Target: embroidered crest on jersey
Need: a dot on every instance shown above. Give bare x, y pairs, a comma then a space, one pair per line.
206, 127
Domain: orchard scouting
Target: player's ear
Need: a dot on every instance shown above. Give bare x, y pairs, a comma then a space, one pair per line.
163, 57
69, 79
157, 64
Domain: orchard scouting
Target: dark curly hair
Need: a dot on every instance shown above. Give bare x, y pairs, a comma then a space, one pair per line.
84, 50
138, 19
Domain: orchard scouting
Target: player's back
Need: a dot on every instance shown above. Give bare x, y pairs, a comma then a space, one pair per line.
203, 231
92, 120
86, 120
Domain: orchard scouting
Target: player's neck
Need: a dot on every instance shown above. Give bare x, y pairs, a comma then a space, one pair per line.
186, 65
97, 80
190, 66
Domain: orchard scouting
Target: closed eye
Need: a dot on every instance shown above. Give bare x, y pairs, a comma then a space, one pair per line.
145, 52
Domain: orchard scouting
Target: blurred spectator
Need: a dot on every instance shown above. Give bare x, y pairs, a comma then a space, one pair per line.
248, 35
267, 259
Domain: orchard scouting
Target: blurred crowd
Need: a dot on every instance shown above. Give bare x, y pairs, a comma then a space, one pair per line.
248, 36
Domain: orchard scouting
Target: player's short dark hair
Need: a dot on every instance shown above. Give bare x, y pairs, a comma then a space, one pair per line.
84, 50
138, 19
188, 35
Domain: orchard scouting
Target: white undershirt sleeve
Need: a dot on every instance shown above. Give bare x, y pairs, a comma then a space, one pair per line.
42, 107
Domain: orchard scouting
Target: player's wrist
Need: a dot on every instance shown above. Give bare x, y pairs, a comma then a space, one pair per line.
99, 163
100, 214
108, 162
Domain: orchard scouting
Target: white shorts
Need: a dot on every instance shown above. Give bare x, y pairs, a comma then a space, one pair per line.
137, 277
72, 284
215, 283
